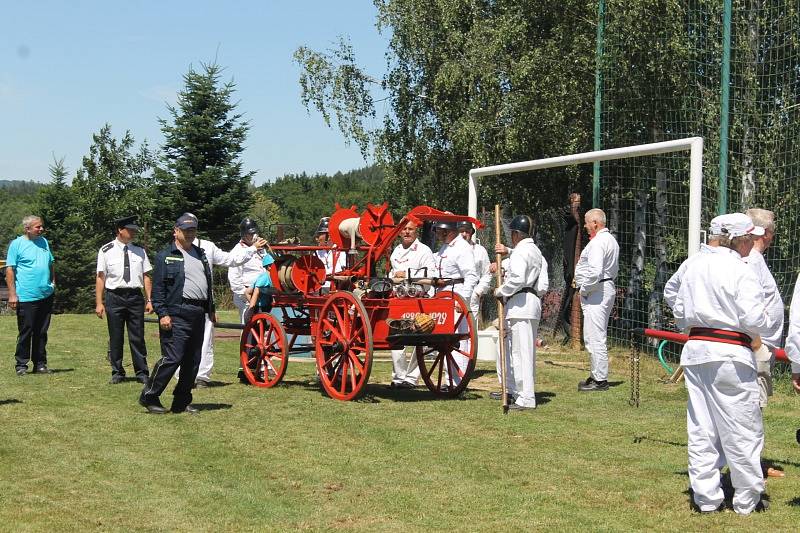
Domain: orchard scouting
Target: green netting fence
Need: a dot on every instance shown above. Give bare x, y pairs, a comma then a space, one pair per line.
662, 71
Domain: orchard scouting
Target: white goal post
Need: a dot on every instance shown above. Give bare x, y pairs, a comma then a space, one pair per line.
693, 144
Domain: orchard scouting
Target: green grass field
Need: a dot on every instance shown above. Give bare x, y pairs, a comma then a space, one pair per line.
79, 454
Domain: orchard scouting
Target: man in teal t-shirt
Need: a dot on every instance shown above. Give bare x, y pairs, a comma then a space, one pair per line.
31, 280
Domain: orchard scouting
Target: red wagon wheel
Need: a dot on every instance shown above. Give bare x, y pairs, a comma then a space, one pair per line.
343, 346
264, 351
438, 365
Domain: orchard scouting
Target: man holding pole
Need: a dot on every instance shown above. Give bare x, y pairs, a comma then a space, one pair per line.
522, 313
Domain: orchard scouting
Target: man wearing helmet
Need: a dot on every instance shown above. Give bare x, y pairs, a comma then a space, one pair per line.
481, 257
243, 275
523, 309
334, 260
594, 277
454, 260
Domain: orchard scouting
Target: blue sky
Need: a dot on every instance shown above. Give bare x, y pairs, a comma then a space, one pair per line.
68, 67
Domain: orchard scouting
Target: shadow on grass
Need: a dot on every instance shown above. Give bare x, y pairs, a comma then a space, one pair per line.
794, 502
615, 383
9, 401
479, 372
378, 392
54, 371
211, 406
641, 438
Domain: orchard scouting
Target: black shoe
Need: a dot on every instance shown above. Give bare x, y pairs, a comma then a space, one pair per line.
587, 381
153, 408
762, 506
719, 509
499, 396
143, 379
594, 386
116, 379
21, 371
189, 409
242, 377
517, 407
42, 369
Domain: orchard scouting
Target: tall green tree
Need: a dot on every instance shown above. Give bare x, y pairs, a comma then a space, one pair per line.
115, 179
469, 83
202, 171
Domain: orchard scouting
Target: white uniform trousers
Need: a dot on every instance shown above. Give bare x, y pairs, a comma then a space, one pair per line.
724, 424
765, 362
521, 360
404, 369
461, 360
241, 303
206, 355
475, 308
596, 312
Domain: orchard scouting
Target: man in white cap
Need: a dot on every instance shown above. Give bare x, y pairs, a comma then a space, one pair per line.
595, 273
720, 302
765, 350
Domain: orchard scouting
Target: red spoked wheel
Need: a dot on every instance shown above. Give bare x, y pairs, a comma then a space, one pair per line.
343, 346
447, 367
264, 352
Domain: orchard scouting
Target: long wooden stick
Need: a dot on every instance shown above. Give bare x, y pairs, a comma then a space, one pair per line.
501, 323
575, 317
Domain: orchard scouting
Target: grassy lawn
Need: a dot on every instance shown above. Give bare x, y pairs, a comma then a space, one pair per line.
79, 454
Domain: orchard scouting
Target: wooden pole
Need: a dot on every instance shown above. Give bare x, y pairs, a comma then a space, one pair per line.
575, 315
501, 314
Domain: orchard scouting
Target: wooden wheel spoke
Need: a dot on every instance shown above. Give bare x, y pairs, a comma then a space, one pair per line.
356, 363
335, 331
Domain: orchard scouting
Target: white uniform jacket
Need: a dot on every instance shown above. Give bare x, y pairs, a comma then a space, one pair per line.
674, 283
111, 262
455, 260
237, 256
793, 336
720, 291
417, 258
599, 261
523, 269
772, 297
245, 274
326, 256
482, 269
544, 280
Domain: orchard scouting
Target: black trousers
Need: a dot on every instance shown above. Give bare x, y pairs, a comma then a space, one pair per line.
126, 308
180, 346
33, 321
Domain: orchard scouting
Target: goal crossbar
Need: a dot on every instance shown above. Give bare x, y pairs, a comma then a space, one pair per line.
693, 144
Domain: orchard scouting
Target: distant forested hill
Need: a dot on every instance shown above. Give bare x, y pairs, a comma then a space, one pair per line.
303, 199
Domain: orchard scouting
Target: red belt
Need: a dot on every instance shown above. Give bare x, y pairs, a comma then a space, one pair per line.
724, 336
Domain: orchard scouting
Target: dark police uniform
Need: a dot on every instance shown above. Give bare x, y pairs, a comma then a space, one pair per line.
123, 267
182, 344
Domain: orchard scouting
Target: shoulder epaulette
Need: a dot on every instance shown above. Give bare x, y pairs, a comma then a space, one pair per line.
108, 246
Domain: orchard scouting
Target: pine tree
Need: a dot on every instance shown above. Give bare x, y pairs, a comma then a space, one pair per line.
203, 142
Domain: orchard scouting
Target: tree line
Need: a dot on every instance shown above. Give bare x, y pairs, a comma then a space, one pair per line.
197, 169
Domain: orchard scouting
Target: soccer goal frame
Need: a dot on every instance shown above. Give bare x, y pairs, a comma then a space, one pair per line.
693, 144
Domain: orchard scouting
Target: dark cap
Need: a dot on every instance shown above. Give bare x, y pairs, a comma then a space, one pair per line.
186, 221
126, 222
465, 225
